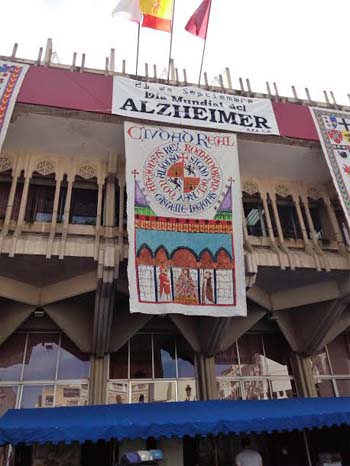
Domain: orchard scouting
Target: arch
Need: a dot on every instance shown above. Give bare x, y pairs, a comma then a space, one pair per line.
144, 255
206, 259
184, 257
224, 259
161, 255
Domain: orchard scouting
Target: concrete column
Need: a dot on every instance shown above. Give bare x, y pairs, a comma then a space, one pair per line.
274, 246
21, 214
313, 233
66, 218
206, 377
10, 202
303, 377
107, 272
110, 205
335, 225
16, 173
282, 244
98, 380
53, 219
98, 218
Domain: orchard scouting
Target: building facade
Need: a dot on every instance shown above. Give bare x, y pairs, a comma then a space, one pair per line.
66, 335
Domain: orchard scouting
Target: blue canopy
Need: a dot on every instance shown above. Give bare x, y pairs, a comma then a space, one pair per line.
170, 419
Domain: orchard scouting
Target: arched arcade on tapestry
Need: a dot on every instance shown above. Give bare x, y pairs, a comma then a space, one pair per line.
184, 276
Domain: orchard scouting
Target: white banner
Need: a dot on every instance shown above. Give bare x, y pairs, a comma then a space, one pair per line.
192, 106
333, 128
11, 78
184, 222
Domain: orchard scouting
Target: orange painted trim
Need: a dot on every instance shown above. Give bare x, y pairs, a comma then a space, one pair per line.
154, 22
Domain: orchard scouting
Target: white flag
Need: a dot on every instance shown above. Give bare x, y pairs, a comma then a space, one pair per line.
128, 9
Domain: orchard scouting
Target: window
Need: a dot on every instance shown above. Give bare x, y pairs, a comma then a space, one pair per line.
152, 367
254, 215
343, 224
319, 220
331, 368
289, 219
40, 199
83, 209
255, 368
5, 187
315, 208
42, 370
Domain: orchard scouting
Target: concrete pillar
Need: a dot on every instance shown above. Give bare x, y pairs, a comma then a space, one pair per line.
271, 234
317, 248
21, 214
107, 273
206, 377
303, 377
54, 218
335, 225
98, 380
66, 217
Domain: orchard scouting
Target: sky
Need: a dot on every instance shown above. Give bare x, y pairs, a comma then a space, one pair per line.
291, 42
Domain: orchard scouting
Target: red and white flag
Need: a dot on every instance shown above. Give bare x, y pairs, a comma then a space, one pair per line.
198, 23
128, 9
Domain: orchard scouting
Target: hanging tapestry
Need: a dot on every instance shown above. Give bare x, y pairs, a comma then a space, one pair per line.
184, 222
11, 78
333, 128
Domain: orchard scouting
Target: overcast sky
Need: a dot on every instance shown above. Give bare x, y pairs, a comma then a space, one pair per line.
300, 42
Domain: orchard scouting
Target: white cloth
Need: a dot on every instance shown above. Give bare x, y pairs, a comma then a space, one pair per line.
248, 457
128, 9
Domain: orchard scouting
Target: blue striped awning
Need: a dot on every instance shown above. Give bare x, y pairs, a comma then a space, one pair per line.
170, 419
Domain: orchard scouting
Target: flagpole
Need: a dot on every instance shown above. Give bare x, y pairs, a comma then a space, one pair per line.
138, 48
204, 46
171, 38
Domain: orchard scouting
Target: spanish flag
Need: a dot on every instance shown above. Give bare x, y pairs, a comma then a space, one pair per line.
157, 14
